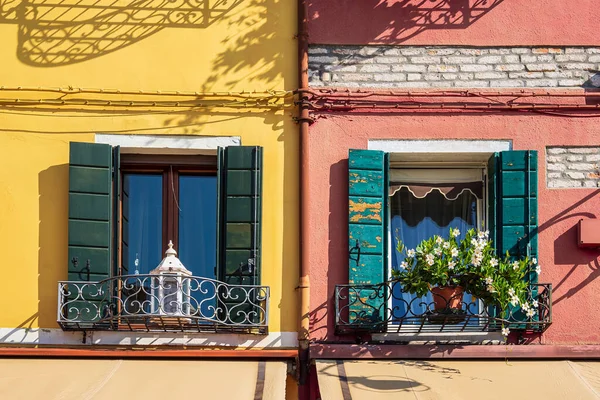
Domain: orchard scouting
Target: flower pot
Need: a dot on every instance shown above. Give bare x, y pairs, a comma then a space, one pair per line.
447, 297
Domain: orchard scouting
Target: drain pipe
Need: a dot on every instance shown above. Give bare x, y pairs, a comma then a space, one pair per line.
303, 123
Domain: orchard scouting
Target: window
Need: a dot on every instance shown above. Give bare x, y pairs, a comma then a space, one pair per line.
168, 198
123, 210
428, 201
414, 202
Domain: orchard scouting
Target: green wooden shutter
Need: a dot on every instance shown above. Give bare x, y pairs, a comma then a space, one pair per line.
367, 233
90, 220
513, 205
239, 214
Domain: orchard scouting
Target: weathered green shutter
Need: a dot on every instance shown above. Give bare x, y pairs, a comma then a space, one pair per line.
90, 211
513, 204
239, 214
90, 219
367, 228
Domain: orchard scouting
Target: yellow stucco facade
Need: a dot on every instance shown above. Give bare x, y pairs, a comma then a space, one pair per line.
112, 52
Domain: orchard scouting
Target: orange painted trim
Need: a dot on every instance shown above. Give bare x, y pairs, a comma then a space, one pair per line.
144, 353
391, 351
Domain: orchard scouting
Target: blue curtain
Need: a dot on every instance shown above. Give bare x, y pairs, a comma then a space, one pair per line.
414, 219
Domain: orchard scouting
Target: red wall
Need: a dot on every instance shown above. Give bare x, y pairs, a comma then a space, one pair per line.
454, 22
573, 272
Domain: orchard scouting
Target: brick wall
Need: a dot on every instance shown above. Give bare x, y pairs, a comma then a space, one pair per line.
458, 67
573, 167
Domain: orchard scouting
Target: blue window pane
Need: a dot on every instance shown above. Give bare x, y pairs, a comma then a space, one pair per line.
142, 223
198, 239
198, 224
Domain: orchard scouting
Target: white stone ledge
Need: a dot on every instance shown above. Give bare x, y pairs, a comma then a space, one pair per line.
168, 144
440, 146
42, 336
441, 337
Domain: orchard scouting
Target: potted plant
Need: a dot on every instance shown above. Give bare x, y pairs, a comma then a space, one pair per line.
448, 267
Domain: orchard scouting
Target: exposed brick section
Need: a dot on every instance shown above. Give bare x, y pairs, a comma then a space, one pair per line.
573, 167
435, 67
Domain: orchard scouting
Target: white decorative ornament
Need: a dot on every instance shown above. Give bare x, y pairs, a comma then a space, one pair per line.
171, 287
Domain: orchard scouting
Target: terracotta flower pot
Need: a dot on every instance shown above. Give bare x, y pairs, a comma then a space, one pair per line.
447, 297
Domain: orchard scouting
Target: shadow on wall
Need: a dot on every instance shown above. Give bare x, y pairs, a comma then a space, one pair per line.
566, 251
62, 32
257, 48
52, 242
402, 19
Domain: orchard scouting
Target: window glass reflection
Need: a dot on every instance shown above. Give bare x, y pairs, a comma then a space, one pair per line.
198, 224
141, 222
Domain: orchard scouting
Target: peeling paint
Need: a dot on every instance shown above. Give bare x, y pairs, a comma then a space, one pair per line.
361, 210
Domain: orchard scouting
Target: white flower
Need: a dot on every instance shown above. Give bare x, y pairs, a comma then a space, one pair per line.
505, 332
446, 245
429, 259
514, 301
438, 240
530, 312
511, 292
538, 269
494, 262
451, 265
455, 232
535, 304
481, 234
525, 306
476, 259
491, 289
534, 261
515, 265
486, 234
410, 252
488, 280
403, 265
454, 252
474, 242
437, 251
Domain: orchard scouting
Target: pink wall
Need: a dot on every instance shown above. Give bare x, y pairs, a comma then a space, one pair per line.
573, 272
454, 22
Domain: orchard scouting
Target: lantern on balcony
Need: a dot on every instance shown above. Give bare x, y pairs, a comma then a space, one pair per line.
170, 287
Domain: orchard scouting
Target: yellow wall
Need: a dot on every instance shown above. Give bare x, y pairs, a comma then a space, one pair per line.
227, 46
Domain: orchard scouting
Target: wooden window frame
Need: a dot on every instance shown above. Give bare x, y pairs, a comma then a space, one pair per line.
171, 167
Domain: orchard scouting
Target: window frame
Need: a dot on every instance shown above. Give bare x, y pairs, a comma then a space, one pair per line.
171, 167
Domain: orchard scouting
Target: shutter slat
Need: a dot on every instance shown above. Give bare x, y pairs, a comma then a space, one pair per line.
367, 205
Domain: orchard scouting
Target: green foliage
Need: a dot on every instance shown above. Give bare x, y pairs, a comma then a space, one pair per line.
471, 263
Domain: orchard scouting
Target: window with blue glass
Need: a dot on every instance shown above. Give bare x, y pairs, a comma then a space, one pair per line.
424, 202
168, 201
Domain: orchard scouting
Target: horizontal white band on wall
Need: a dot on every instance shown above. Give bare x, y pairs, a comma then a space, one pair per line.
43, 336
440, 146
166, 144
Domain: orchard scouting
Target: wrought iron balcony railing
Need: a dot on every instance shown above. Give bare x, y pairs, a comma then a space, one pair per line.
385, 308
163, 303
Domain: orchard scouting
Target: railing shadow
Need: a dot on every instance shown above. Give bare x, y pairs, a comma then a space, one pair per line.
63, 32
404, 19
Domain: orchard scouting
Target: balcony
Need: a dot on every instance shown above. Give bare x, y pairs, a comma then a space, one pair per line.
152, 303
385, 308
